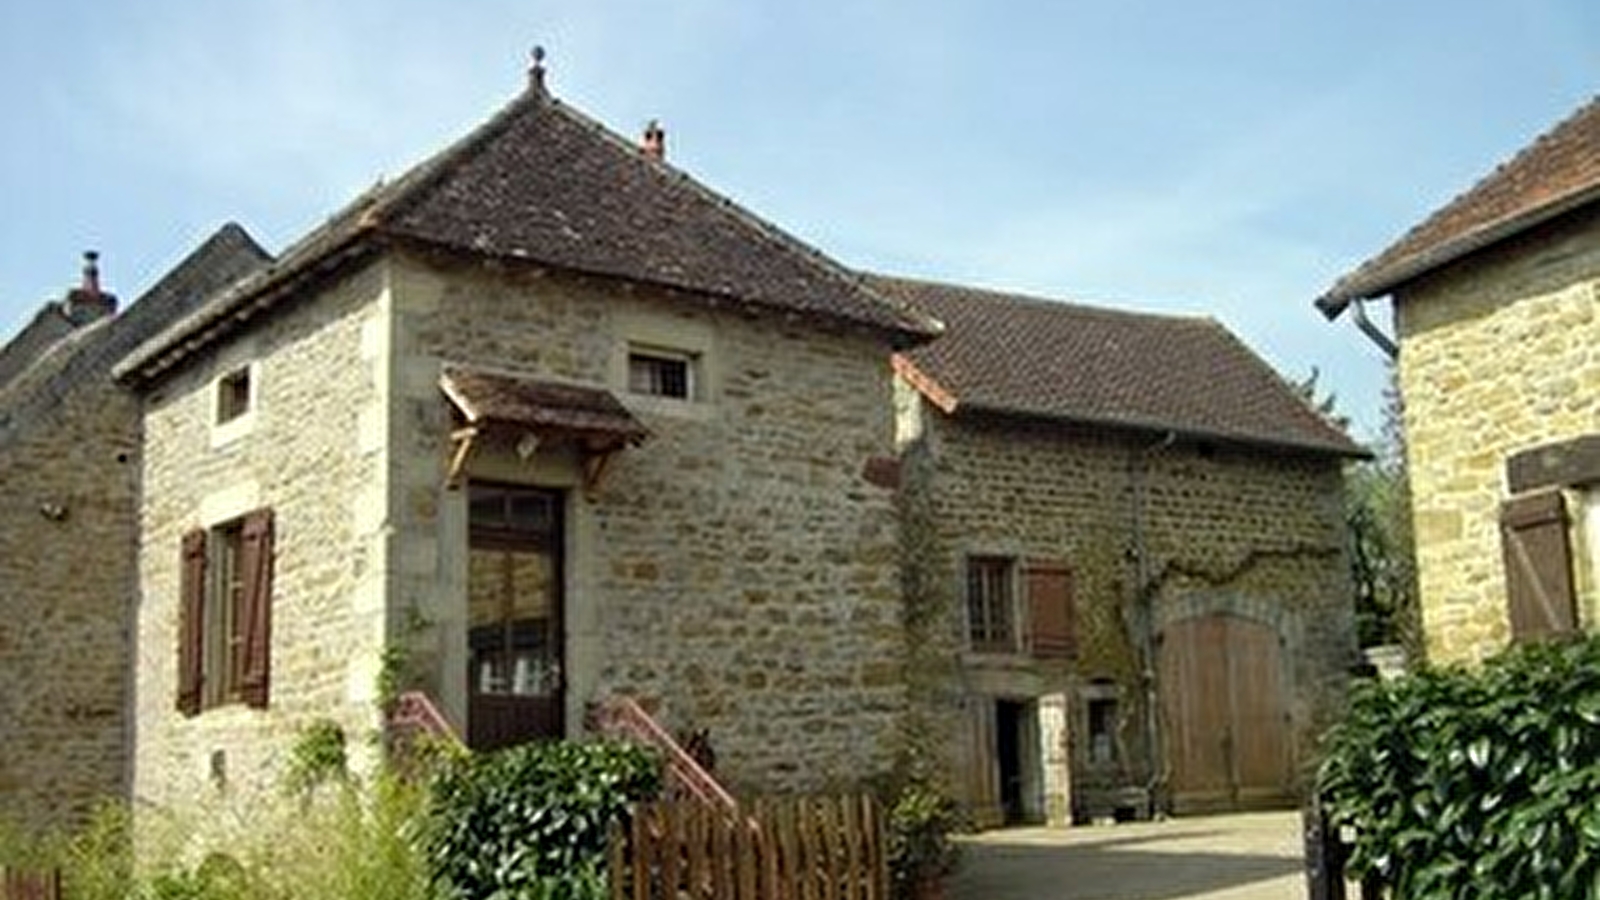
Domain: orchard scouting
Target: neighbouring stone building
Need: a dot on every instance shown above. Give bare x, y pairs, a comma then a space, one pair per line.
540, 421
1495, 299
69, 468
1127, 559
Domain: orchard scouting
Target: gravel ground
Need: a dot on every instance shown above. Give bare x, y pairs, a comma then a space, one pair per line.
1255, 856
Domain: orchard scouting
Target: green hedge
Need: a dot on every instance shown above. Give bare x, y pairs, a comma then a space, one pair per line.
1481, 783
530, 822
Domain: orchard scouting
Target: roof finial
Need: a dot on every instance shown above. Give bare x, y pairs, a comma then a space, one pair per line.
536, 71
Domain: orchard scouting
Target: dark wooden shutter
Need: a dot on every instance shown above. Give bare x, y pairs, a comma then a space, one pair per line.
255, 565
1049, 591
1538, 562
191, 620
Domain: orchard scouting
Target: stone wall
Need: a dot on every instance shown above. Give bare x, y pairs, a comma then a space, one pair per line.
1497, 355
1247, 532
66, 575
308, 450
736, 571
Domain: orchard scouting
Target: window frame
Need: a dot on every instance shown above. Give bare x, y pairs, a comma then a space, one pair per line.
660, 357
235, 395
231, 420
222, 644
991, 588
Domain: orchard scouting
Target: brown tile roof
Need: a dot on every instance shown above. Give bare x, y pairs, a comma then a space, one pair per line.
1017, 355
542, 183
497, 398
1558, 172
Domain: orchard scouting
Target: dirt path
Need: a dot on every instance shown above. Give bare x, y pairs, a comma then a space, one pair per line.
1239, 857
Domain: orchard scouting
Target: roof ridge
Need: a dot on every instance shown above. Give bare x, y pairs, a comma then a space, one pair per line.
427, 173
776, 237
1024, 297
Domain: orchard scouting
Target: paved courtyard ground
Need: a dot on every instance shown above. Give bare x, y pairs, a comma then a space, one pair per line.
1256, 856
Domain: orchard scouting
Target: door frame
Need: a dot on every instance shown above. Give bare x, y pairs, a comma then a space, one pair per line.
551, 542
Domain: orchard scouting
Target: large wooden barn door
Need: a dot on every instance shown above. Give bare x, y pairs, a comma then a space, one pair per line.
1228, 734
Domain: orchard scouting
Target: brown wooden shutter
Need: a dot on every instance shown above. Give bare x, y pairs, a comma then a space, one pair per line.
255, 566
191, 620
1049, 591
1538, 563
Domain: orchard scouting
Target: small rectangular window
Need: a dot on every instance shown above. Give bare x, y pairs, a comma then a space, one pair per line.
233, 395
991, 603
661, 374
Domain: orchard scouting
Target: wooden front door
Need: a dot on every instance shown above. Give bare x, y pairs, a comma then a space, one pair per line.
1225, 702
515, 677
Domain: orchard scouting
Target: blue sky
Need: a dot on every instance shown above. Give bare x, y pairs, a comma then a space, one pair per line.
1225, 159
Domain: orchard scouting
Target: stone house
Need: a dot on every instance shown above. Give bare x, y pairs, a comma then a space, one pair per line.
545, 420
68, 465
1127, 572
1495, 302
540, 421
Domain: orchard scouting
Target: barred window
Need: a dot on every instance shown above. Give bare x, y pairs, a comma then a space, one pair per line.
991, 603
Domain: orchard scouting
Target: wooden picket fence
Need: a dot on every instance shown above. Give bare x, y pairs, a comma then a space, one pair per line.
18, 884
804, 848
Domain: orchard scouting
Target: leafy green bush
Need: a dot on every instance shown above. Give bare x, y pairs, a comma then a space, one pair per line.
317, 757
1467, 784
530, 822
921, 819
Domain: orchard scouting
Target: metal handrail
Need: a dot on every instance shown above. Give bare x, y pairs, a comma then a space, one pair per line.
622, 716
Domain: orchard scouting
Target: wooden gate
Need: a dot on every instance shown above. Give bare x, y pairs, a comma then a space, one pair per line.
17, 884
803, 848
1225, 701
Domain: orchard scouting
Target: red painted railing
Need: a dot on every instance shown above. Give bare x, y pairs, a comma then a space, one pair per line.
622, 717
415, 713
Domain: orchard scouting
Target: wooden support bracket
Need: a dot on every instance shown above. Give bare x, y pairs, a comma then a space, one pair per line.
595, 463
463, 439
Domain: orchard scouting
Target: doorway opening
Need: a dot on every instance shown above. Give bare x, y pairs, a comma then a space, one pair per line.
1010, 731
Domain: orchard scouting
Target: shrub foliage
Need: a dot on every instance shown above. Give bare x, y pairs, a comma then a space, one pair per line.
1483, 783
530, 822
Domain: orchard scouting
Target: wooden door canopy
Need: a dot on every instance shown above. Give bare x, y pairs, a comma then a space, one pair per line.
533, 414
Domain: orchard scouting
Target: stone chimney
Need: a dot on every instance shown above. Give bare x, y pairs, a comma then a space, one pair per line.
87, 302
654, 143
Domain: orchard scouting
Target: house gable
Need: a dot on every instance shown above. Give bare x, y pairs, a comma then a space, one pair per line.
541, 185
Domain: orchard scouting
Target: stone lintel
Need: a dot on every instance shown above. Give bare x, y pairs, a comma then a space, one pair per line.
1561, 464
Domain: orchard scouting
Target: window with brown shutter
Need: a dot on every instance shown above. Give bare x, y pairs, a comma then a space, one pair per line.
1538, 565
191, 621
225, 628
1049, 592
